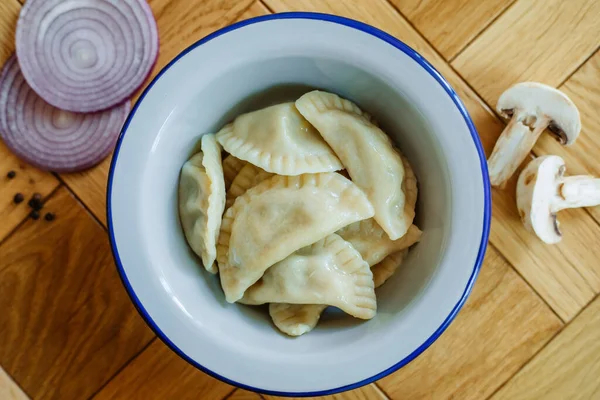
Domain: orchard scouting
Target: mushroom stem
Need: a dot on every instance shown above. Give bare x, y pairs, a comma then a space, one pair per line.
578, 191
514, 144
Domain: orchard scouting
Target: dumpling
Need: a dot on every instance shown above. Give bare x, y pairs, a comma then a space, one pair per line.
373, 243
366, 152
295, 319
231, 167
279, 140
202, 200
386, 268
409, 185
249, 176
279, 216
376, 248
298, 319
328, 272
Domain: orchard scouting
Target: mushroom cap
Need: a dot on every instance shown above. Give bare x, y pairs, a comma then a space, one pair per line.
537, 192
543, 100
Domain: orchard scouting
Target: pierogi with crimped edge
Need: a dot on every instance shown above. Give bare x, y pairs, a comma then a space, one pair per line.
202, 200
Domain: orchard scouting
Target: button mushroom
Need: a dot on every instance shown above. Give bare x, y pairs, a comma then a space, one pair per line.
531, 107
543, 190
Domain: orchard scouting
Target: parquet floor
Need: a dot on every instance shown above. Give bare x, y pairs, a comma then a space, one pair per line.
531, 328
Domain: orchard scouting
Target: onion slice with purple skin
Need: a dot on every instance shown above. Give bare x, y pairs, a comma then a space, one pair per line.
86, 55
50, 138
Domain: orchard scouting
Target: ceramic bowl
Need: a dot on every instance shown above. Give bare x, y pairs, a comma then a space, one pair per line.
256, 63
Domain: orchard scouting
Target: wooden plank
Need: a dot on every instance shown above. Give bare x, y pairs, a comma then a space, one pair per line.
29, 179
582, 157
503, 324
568, 368
255, 10
369, 392
9, 12
240, 394
540, 40
180, 23
449, 25
159, 373
66, 316
558, 273
9, 390
90, 186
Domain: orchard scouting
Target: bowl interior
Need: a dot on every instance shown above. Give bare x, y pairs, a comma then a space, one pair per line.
221, 79
258, 85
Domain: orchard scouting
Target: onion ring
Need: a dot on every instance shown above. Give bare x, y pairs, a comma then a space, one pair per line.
86, 55
50, 138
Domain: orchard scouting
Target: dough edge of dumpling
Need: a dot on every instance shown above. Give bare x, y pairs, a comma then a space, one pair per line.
364, 306
298, 164
216, 198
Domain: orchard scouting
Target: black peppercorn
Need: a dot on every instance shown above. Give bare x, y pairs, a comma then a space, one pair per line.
11, 174
18, 198
36, 202
49, 216
34, 214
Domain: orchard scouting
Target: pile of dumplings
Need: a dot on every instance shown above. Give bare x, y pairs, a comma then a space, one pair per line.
311, 207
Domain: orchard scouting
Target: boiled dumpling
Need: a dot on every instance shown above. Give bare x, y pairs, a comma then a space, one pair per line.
386, 268
279, 216
328, 272
231, 167
382, 254
409, 185
373, 243
249, 176
366, 152
279, 140
295, 319
202, 200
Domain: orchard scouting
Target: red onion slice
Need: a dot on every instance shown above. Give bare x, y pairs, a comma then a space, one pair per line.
86, 55
50, 138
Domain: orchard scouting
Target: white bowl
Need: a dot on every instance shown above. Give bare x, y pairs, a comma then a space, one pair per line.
245, 67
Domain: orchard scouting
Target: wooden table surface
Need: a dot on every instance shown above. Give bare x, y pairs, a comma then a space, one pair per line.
530, 329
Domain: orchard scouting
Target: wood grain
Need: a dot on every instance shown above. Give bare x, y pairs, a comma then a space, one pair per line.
502, 325
540, 40
568, 368
9, 390
29, 180
9, 12
240, 394
90, 186
449, 25
159, 373
180, 23
369, 392
559, 273
583, 88
67, 318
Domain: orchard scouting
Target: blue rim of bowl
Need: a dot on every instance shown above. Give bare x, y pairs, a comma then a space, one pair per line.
436, 75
